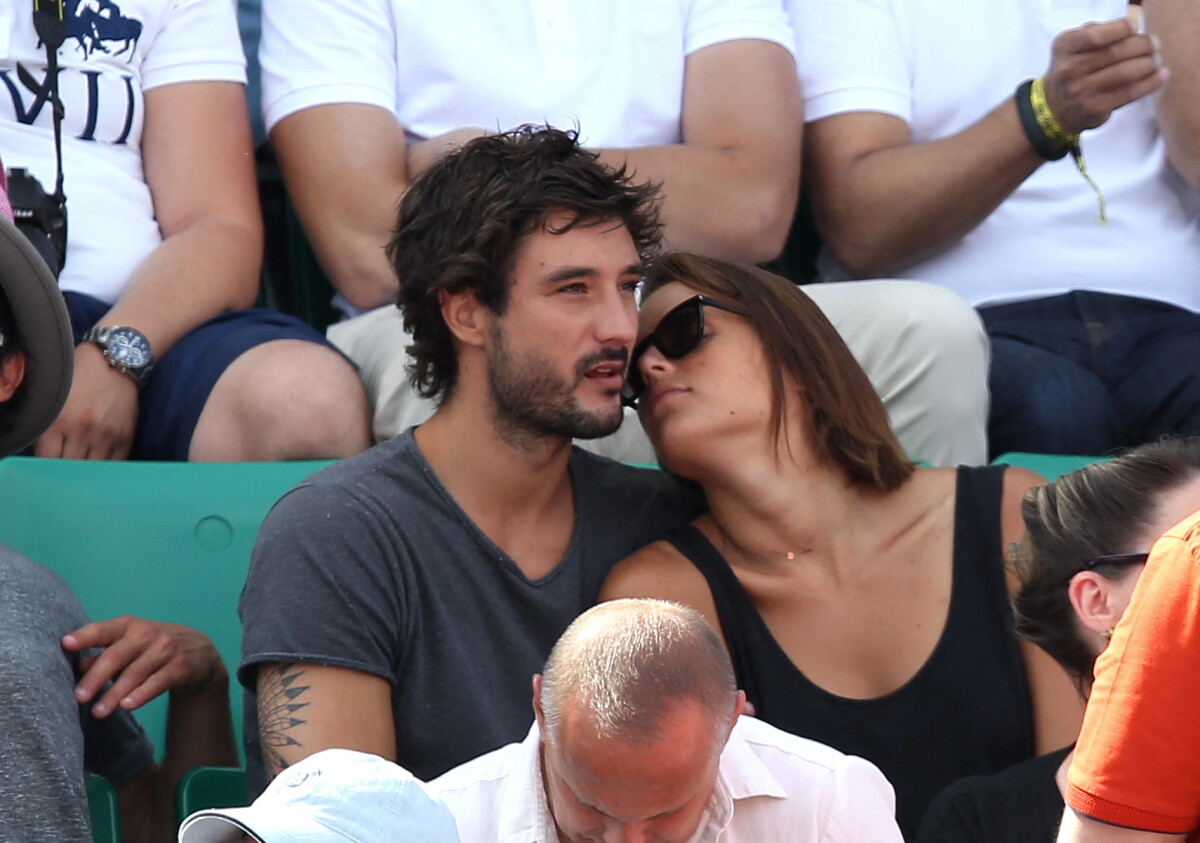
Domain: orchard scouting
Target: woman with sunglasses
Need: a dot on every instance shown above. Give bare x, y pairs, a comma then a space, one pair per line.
1085, 546
863, 600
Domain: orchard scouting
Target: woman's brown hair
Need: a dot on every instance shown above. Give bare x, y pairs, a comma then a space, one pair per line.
847, 422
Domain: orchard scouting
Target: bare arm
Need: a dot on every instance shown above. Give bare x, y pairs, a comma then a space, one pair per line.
880, 200
345, 170
1176, 23
144, 659
1057, 706
660, 571
304, 708
199, 167
730, 187
1080, 829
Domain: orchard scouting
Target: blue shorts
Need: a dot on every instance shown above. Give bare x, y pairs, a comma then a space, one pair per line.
175, 393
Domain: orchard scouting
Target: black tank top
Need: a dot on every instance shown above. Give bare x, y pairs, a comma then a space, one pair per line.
966, 711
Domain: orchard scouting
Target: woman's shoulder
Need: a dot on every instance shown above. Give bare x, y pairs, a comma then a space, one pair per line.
657, 570
661, 571
1014, 482
1017, 481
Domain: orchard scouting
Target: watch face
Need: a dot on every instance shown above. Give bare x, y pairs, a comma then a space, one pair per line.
129, 348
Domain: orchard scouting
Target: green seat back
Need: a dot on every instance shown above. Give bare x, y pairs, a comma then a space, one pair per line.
1050, 466
209, 787
165, 541
103, 807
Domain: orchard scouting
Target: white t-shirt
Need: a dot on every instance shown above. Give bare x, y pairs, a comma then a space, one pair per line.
615, 68
113, 53
772, 786
941, 66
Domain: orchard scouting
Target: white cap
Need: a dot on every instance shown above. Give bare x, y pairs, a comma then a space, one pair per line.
337, 794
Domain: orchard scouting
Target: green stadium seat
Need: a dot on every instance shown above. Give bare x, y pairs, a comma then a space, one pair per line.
209, 787
165, 541
1050, 466
105, 812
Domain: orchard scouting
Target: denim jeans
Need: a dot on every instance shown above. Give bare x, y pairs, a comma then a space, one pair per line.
1087, 373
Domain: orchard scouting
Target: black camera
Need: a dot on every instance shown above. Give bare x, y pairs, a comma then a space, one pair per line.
38, 216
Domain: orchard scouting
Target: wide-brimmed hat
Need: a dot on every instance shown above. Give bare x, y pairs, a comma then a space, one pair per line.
336, 794
40, 316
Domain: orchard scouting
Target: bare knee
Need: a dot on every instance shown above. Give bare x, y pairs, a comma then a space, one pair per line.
284, 400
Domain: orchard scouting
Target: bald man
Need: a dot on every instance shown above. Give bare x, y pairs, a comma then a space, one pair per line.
639, 734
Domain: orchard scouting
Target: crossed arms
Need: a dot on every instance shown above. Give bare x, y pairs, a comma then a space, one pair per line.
881, 200
730, 186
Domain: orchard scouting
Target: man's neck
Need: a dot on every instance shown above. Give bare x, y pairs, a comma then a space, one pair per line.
518, 493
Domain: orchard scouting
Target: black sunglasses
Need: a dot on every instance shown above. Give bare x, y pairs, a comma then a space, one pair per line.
1117, 559
677, 335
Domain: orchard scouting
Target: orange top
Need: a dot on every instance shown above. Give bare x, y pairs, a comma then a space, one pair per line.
1137, 763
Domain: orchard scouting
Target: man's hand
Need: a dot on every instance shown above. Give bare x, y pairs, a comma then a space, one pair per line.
142, 659
100, 417
1096, 69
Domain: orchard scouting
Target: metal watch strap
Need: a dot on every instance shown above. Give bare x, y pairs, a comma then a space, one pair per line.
100, 336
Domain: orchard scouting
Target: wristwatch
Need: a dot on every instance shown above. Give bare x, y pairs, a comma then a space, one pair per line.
127, 349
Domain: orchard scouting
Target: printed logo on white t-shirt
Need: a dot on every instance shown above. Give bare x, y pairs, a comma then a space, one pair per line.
99, 26
98, 80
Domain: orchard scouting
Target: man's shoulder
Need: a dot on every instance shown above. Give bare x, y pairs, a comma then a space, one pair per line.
386, 474
806, 782
485, 793
1015, 785
386, 462
488, 769
379, 499
22, 575
1021, 802
35, 599
634, 486
783, 751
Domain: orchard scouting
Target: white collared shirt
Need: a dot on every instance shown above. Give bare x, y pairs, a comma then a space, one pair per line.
772, 786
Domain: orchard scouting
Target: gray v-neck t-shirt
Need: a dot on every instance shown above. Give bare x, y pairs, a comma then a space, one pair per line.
371, 565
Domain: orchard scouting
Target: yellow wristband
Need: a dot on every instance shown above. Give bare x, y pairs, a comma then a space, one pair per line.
1046, 120
1055, 133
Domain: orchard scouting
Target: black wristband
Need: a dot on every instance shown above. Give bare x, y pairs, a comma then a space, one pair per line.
1041, 144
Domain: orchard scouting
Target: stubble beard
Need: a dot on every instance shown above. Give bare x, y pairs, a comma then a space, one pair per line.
532, 403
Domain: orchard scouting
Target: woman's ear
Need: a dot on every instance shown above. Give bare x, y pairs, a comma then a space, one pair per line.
12, 372
1091, 597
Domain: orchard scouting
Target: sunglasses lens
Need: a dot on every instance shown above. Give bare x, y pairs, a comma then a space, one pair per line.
681, 330
677, 335
634, 385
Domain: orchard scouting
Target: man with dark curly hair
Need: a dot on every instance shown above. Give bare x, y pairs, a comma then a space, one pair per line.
699, 96
398, 602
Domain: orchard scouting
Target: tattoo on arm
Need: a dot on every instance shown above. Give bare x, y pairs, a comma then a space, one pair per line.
280, 697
